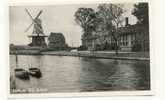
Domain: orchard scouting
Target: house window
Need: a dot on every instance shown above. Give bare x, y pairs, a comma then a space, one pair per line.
132, 42
126, 43
125, 37
123, 43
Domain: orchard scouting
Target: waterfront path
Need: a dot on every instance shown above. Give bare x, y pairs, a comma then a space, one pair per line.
91, 54
102, 54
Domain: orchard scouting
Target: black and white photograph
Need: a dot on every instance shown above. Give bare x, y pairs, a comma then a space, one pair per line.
79, 48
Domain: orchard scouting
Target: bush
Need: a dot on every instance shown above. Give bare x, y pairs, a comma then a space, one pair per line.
111, 46
82, 48
106, 46
136, 47
98, 47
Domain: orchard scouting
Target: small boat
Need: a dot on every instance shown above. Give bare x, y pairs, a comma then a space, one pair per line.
35, 72
21, 73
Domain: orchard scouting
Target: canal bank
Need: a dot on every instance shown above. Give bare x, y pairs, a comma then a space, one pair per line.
94, 54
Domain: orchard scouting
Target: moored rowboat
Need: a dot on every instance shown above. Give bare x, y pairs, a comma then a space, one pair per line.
21, 73
35, 72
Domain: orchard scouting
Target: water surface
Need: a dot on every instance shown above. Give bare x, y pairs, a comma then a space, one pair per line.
78, 74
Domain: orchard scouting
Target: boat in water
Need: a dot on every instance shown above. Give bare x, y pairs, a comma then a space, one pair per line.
35, 72
21, 73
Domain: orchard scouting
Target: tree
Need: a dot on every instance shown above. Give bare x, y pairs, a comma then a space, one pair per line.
141, 13
112, 17
85, 17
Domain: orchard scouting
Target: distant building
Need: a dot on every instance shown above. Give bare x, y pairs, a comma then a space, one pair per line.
134, 38
131, 38
57, 41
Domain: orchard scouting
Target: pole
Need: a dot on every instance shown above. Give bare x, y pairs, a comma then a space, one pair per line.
16, 60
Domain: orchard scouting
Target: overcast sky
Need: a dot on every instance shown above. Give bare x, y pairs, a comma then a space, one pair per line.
57, 18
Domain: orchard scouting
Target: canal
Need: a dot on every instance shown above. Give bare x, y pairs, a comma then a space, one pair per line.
78, 74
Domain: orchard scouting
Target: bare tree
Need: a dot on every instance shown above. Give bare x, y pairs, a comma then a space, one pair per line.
111, 14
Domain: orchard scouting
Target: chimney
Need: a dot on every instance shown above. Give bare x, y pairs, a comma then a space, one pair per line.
126, 21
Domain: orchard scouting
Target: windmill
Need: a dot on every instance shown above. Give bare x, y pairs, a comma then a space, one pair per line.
38, 36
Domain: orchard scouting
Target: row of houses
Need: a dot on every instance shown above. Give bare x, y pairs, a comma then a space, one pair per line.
130, 38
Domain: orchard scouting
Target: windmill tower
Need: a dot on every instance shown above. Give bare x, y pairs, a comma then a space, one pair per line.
38, 36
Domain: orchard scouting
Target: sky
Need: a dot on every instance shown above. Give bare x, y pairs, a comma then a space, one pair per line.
55, 18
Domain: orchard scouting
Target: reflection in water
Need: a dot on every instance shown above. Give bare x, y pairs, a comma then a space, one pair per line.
73, 74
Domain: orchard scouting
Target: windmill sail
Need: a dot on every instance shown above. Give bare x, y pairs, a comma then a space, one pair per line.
39, 14
29, 14
29, 27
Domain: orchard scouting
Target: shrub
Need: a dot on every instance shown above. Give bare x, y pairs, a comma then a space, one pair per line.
136, 47
82, 48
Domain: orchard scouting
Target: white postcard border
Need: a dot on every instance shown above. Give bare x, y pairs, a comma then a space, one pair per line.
85, 94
